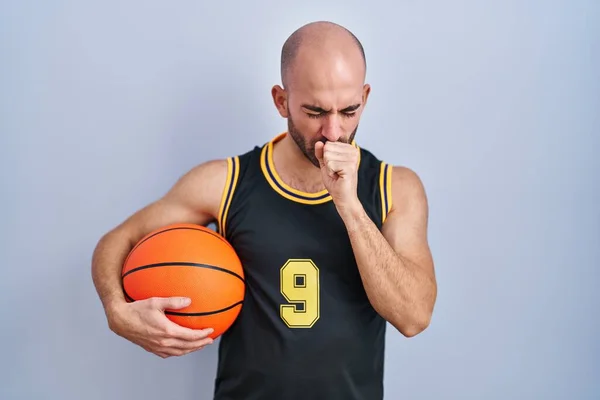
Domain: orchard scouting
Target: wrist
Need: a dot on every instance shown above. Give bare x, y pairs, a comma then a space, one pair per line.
351, 212
113, 309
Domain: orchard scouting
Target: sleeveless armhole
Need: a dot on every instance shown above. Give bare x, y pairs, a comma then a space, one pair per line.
385, 189
233, 172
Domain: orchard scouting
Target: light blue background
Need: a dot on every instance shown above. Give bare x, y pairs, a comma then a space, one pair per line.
496, 104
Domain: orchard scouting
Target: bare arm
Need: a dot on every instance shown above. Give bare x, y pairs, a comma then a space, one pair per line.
194, 198
396, 264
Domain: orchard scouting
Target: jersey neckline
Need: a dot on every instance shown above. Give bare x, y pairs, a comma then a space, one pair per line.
270, 173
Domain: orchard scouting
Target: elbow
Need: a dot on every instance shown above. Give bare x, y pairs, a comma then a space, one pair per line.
419, 320
413, 329
411, 326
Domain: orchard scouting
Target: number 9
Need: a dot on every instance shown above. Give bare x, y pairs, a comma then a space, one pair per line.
299, 280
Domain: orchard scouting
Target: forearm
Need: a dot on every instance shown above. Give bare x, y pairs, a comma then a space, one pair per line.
400, 291
107, 262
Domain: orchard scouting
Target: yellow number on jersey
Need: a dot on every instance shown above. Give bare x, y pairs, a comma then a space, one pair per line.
299, 282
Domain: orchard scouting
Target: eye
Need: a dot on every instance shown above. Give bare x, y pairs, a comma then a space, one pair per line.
348, 114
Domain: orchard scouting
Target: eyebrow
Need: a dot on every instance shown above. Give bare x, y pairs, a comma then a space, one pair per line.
351, 108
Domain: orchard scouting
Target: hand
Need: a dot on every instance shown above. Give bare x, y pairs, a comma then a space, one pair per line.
144, 323
339, 170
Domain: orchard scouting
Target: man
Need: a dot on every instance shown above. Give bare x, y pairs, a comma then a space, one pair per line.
333, 243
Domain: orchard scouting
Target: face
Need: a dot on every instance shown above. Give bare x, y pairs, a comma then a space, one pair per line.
323, 105
306, 140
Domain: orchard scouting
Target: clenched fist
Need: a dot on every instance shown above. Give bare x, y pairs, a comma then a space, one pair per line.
339, 170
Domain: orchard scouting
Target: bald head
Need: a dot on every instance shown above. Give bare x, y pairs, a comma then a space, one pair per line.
323, 44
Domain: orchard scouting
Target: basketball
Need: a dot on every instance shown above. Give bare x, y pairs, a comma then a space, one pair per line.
190, 261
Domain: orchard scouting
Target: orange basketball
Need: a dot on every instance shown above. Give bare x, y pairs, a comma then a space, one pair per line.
191, 261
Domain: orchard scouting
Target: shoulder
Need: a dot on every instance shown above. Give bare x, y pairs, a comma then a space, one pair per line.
401, 180
405, 180
401, 189
212, 175
399, 183
207, 174
407, 191
201, 186
210, 182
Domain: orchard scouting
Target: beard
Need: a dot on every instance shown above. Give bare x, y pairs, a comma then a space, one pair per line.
308, 148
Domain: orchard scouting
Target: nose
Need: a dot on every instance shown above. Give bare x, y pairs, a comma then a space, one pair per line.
331, 129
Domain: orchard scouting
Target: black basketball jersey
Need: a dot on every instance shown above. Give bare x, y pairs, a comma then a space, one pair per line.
306, 330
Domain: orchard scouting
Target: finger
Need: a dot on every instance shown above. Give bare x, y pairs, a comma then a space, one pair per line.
198, 344
339, 147
340, 168
319, 148
336, 166
339, 153
335, 156
184, 345
340, 160
160, 353
175, 331
327, 169
179, 353
169, 353
173, 303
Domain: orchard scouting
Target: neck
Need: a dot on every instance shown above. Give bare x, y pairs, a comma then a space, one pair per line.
294, 167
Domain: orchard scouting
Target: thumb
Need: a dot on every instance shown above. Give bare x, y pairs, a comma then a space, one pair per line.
319, 146
173, 303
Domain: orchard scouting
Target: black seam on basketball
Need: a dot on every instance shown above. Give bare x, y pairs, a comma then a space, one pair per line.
127, 295
182, 264
197, 314
201, 314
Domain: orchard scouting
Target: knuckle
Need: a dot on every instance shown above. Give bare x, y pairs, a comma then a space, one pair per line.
155, 351
174, 352
169, 331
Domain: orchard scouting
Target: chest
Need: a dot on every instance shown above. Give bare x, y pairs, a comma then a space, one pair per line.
269, 234
297, 259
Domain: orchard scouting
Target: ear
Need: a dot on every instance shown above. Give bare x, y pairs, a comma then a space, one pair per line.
280, 99
366, 92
